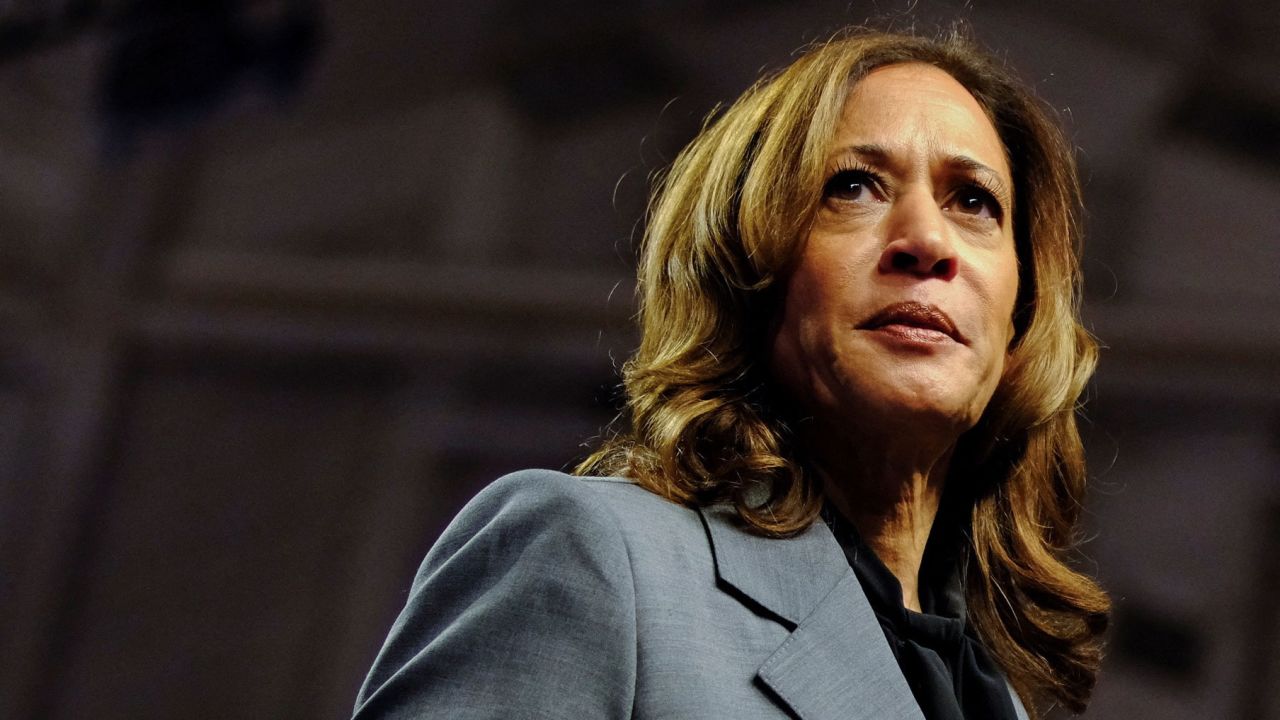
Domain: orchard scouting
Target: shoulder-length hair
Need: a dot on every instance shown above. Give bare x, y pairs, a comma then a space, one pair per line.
725, 224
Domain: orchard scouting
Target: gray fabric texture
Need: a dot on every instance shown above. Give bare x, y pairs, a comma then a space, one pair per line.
553, 596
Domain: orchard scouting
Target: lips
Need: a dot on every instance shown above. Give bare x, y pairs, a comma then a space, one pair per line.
913, 315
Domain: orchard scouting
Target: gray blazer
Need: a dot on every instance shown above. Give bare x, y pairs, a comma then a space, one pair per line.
552, 596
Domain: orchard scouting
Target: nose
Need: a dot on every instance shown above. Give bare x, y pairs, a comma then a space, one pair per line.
919, 243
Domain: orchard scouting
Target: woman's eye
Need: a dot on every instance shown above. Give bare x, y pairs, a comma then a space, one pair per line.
977, 202
849, 185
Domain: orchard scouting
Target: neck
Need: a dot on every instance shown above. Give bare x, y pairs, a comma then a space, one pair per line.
891, 498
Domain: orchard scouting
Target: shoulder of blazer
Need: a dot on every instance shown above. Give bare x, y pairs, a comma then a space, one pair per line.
533, 566
615, 498
598, 515
616, 501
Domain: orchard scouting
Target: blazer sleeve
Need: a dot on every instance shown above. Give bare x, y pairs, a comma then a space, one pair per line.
524, 608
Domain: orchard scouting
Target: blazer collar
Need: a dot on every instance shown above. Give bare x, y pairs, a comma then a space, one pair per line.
789, 576
836, 663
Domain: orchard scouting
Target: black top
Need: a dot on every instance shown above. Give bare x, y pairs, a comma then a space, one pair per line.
948, 670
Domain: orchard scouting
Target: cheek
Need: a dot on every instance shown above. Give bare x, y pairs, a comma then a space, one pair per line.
811, 291
799, 342
790, 336
1005, 295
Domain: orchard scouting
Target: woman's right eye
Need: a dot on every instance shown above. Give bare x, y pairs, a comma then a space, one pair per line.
853, 185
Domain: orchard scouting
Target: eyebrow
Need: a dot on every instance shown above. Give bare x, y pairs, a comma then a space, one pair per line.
880, 155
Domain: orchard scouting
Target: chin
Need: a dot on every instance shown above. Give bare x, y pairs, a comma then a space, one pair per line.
929, 415
919, 406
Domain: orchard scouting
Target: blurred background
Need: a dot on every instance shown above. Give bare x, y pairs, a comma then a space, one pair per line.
283, 283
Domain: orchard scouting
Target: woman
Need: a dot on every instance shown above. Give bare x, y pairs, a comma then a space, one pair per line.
852, 475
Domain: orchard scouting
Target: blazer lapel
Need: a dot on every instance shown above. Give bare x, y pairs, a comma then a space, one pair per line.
836, 663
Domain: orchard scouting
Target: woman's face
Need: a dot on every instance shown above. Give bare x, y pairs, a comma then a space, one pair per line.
899, 309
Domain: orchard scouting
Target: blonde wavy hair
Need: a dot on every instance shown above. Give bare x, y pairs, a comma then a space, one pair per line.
724, 225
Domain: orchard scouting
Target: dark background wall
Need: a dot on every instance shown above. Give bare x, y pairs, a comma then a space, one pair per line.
283, 283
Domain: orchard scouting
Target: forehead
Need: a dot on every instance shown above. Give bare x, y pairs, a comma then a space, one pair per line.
915, 108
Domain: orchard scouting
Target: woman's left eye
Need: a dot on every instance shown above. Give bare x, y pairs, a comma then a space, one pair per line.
973, 200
